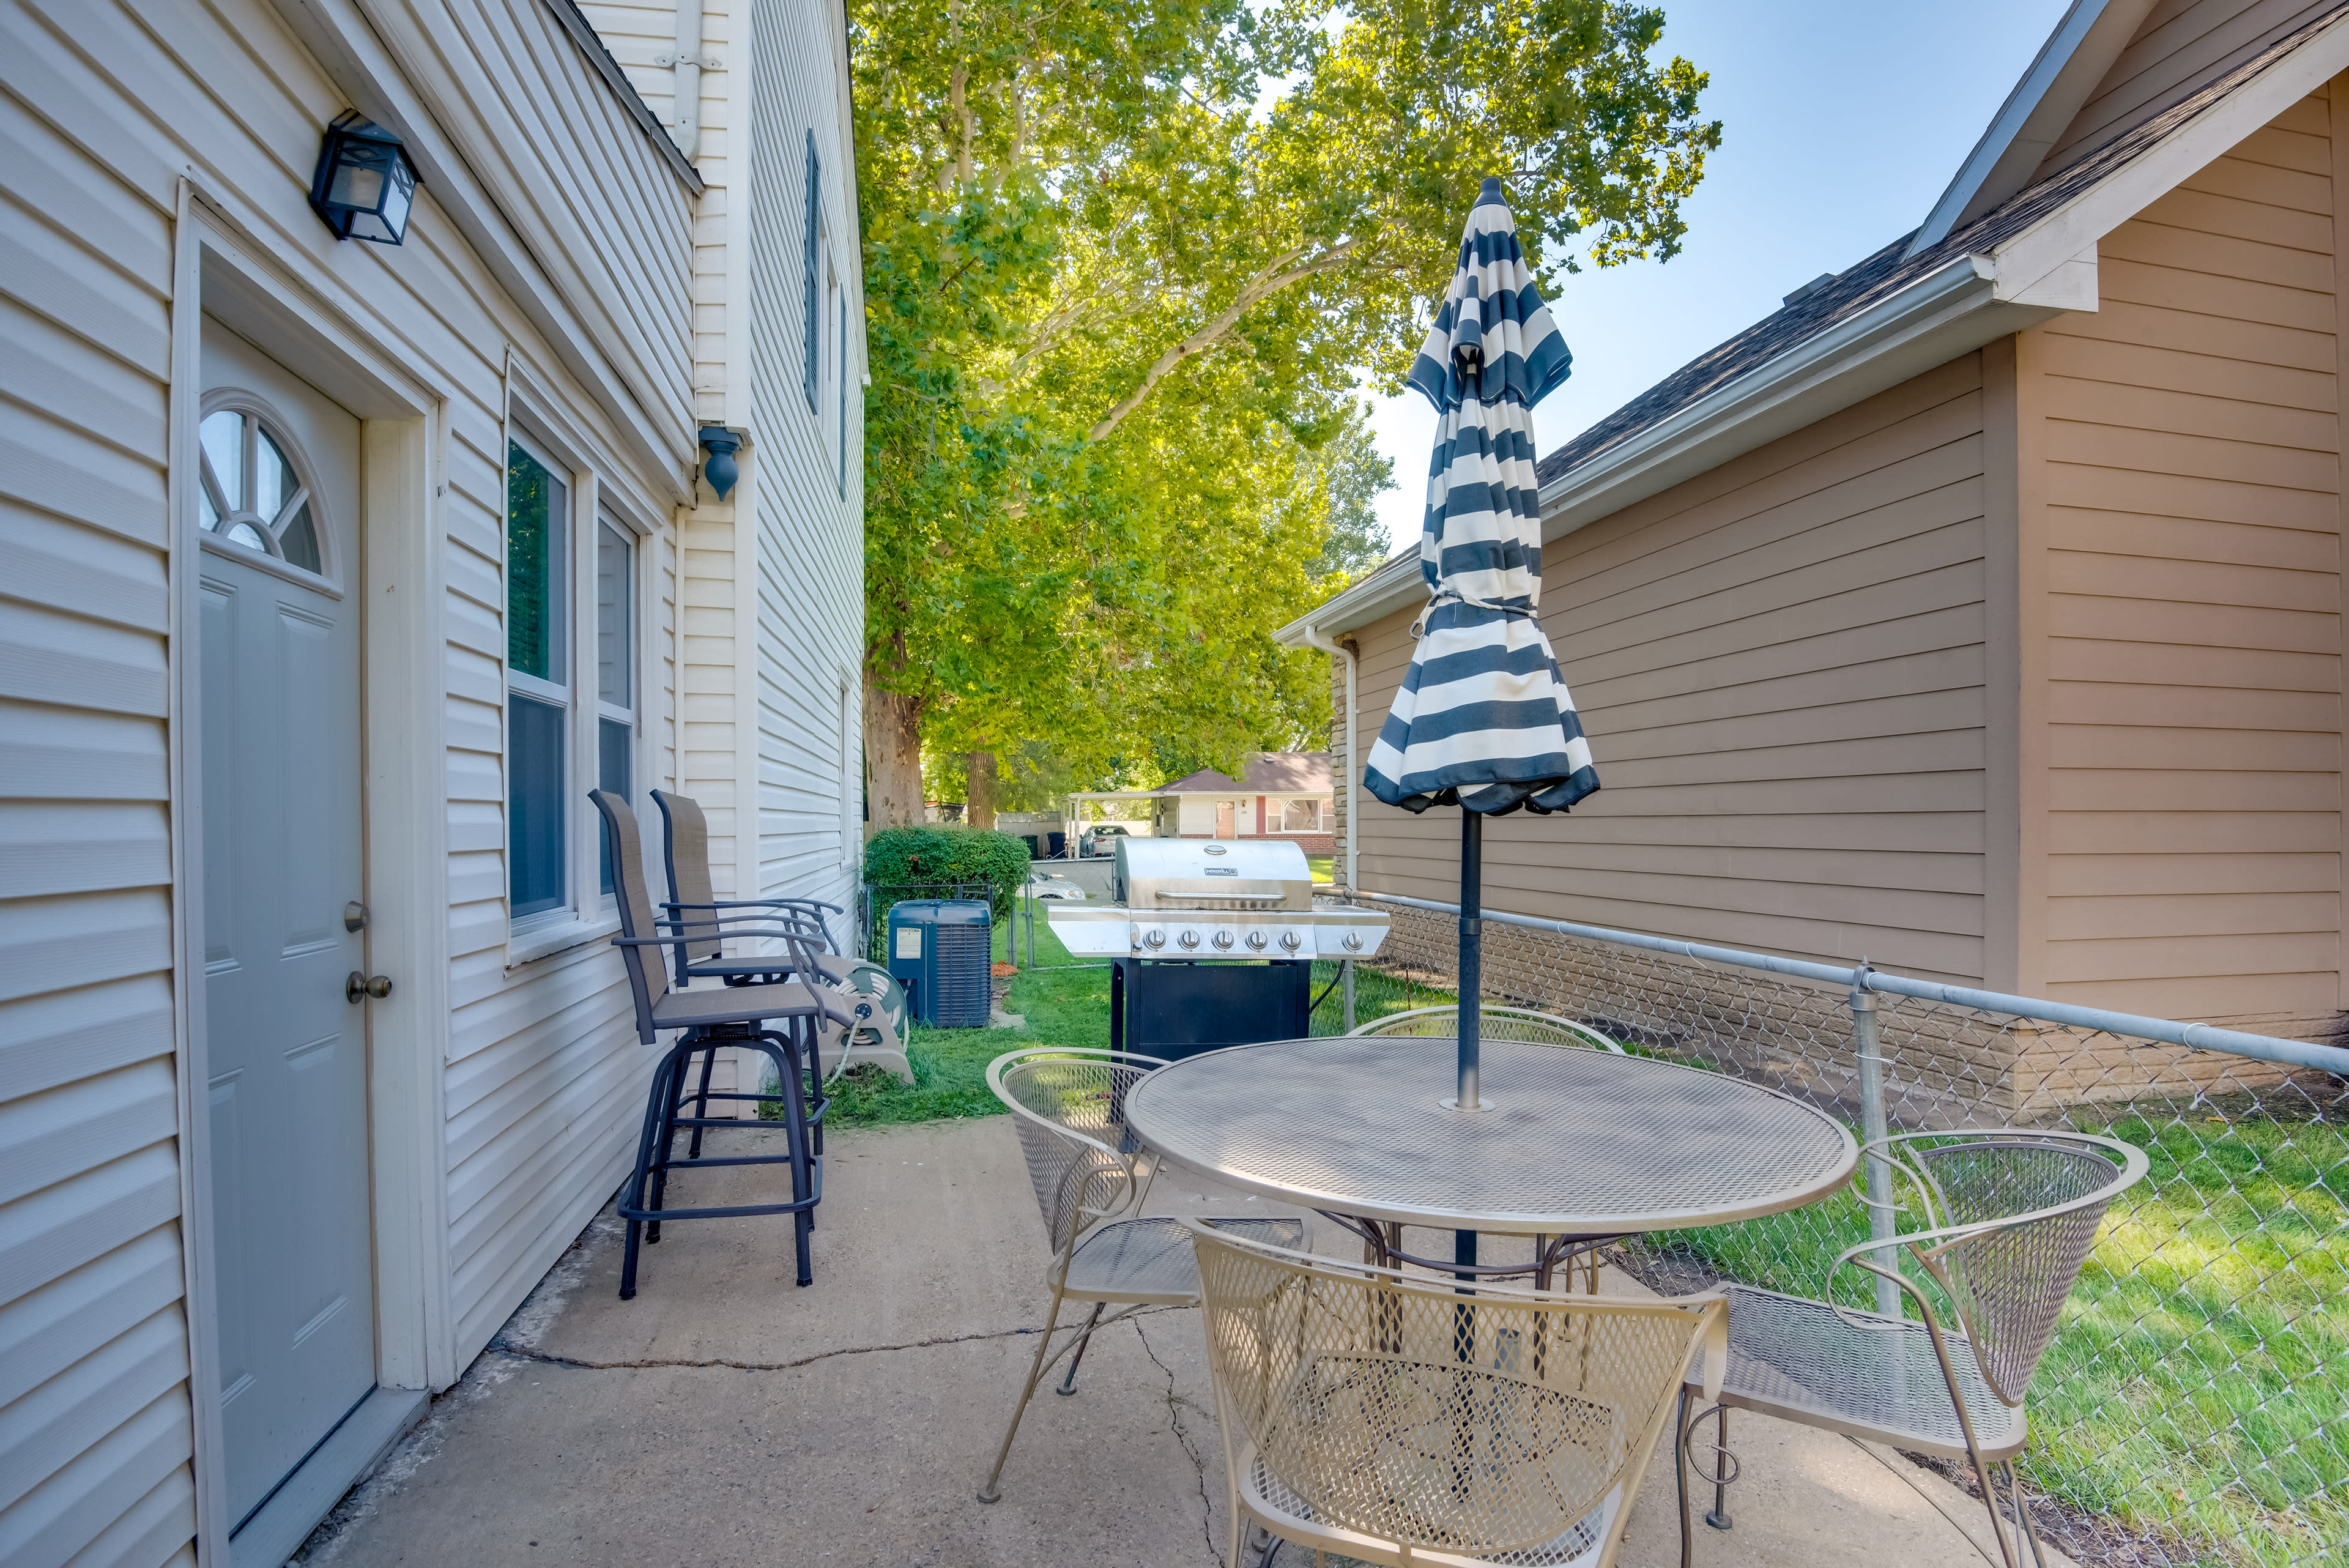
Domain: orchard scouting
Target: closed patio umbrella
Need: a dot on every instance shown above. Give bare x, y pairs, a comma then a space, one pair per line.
1484, 720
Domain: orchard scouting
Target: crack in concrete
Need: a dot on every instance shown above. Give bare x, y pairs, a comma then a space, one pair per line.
1175, 1403
576, 1363
503, 1346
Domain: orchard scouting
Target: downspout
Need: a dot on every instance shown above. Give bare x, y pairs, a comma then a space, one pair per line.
686, 66
1313, 638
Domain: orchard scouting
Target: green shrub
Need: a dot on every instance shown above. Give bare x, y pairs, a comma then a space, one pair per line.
933, 854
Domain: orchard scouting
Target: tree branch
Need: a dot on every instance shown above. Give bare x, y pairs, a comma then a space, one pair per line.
1267, 283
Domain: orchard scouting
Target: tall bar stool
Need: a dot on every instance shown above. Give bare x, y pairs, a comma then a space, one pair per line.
702, 924
735, 1016
684, 851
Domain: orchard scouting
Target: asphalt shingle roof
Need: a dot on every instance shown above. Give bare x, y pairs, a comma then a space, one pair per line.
1885, 273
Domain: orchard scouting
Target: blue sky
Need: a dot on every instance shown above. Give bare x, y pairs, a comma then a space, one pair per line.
1842, 120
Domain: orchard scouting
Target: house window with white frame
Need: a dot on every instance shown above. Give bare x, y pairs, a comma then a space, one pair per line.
615, 714
850, 774
538, 683
572, 646
1301, 815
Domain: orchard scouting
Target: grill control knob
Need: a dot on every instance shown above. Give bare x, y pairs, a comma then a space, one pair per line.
1154, 938
1353, 941
1224, 939
1256, 941
1288, 940
1189, 939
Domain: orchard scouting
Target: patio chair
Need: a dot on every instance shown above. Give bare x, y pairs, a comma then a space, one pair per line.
1382, 1245
1400, 1420
1493, 1022
1091, 1177
740, 1016
684, 851
2009, 1217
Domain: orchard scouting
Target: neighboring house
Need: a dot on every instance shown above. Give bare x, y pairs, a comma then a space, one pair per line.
1278, 794
337, 573
1979, 612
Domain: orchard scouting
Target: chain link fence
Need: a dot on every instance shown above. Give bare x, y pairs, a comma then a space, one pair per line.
2194, 1408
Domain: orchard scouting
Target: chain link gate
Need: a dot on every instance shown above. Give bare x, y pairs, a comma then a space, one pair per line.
2194, 1408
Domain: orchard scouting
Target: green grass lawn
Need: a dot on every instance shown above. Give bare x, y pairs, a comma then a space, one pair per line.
1063, 1006
2199, 1385
1323, 866
2199, 1388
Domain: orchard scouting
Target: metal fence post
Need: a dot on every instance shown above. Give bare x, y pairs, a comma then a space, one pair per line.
1346, 967
1868, 1046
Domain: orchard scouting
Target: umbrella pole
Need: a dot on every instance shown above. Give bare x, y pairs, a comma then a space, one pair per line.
1472, 949
1472, 964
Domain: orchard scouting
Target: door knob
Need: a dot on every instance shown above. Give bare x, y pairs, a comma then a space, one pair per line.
360, 986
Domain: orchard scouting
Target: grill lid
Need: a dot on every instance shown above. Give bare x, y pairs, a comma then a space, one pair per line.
1200, 874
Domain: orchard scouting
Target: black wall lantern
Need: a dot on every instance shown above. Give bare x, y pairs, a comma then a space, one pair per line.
365, 183
720, 468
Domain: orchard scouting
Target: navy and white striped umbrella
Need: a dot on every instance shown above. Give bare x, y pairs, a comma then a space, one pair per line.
1484, 717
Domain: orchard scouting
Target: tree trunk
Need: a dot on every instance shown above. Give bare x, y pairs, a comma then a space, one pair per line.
892, 742
980, 811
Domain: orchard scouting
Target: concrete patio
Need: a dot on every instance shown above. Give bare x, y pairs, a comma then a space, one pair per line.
726, 1417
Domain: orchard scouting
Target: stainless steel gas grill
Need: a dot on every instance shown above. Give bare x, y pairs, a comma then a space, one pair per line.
1211, 942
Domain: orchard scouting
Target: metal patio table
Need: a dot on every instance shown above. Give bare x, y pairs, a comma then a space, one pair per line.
1571, 1146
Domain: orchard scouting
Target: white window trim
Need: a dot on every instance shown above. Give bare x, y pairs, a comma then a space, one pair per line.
852, 776
589, 915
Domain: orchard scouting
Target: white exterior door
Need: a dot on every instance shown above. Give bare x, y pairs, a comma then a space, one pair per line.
278, 729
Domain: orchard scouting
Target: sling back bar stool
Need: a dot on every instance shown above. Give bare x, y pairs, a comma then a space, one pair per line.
685, 850
1400, 1420
735, 1016
1091, 1177
692, 907
2009, 1216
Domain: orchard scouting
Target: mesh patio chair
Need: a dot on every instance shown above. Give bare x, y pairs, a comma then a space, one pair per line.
742, 1016
1492, 1024
1400, 1420
1382, 1245
702, 926
2009, 1217
1091, 1176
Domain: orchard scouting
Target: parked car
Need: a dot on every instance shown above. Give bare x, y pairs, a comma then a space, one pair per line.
1096, 843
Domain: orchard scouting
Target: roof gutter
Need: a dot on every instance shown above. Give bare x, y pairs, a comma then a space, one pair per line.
1311, 637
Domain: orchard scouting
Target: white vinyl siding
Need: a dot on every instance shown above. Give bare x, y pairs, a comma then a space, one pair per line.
107, 106
808, 516
94, 1406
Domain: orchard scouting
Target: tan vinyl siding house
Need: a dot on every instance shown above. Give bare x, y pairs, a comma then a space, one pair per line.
2006, 651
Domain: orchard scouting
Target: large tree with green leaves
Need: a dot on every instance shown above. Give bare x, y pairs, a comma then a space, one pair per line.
1127, 262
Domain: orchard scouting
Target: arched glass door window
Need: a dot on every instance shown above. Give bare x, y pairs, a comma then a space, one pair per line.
253, 495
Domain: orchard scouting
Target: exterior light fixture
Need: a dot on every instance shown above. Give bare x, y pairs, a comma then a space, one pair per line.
364, 184
720, 468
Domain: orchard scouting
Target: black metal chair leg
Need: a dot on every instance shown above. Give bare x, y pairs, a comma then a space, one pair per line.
701, 1099
1084, 1340
1679, 1479
632, 1191
665, 1148
795, 1129
1724, 1470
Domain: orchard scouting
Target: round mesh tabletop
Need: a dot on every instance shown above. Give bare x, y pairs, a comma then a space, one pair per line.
1573, 1142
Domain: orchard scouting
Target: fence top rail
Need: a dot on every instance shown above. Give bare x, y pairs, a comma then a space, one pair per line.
1867, 978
